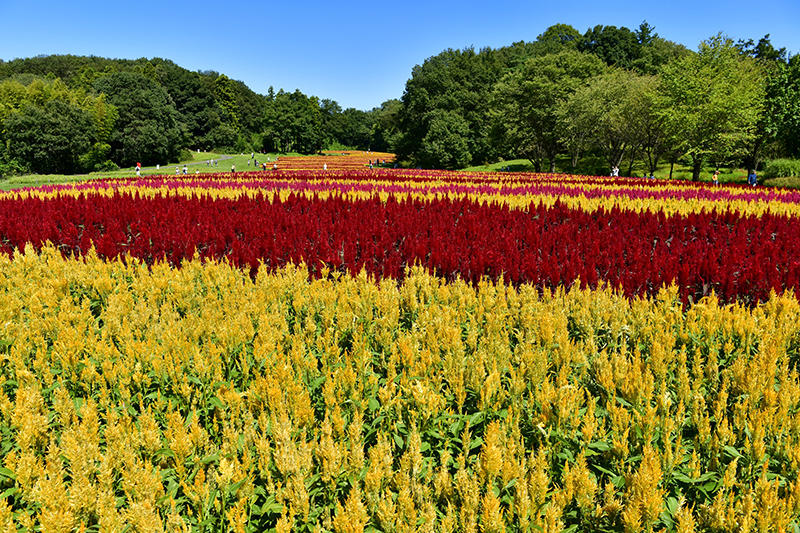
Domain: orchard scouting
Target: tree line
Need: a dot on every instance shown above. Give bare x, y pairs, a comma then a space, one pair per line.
619, 96
623, 96
69, 114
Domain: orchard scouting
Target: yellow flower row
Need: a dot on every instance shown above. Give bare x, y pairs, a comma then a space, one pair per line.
525, 192
163, 399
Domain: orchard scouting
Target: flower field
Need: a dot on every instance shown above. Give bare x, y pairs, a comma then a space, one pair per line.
347, 160
399, 350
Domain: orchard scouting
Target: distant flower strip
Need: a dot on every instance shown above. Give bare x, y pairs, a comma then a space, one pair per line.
737, 257
520, 191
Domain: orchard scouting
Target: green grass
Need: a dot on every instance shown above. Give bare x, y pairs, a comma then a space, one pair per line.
514, 165
196, 163
791, 182
596, 166
589, 166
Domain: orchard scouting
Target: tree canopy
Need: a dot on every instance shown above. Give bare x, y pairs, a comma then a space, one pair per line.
611, 93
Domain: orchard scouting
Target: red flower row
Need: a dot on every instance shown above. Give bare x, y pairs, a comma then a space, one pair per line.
738, 257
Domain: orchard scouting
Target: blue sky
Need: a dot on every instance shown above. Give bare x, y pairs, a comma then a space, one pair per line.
357, 53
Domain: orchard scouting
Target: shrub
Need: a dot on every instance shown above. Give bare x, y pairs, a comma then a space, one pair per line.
106, 166
782, 168
11, 168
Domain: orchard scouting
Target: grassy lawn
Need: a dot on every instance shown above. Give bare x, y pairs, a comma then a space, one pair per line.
594, 166
793, 182
197, 163
588, 166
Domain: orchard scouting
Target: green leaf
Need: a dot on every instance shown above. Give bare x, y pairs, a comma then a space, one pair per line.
6, 473
9, 492
217, 403
672, 505
373, 404
733, 452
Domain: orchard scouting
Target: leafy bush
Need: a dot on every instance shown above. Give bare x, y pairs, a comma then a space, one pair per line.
184, 154
12, 168
782, 168
106, 166
96, 157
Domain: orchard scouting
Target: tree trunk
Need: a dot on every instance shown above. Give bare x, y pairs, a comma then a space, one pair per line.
552, 165
574, 161
696, 164
671, 166
630, 166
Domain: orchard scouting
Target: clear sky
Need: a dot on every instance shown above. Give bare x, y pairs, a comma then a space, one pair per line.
358, 53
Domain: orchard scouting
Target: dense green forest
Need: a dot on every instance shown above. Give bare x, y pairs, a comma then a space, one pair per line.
618, 95
68, 114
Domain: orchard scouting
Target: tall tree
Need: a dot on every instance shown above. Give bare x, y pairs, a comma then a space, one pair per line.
293, 122
445, 143
648, 129
148, 128
456, 81
49, 138
618, 47
606, 109
526, 103
385, 126
773, 133
713, 98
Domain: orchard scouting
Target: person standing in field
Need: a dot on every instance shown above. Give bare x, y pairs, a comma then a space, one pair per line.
715, 178
185, 169
752, 178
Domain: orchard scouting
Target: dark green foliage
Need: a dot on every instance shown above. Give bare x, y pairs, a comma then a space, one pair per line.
466, 83
458, 82
148, 128
445, 144
385, 127
782, 168
293, 123
783, 105
205, 101
618, 47
49, 139
526, 103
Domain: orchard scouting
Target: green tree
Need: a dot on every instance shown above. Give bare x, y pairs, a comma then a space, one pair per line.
604, 109
777, 127
445, 144
619, 47
712, 100
526, 102
456, 81
47, 126
386, 126
557, 38
148, 128
788, 101
293, 122
355, 128
49, 138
